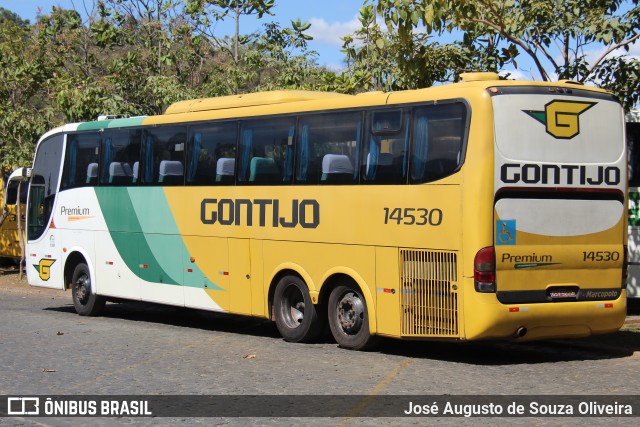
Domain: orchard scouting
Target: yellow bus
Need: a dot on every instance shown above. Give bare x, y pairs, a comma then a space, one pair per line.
485, 209
13, 193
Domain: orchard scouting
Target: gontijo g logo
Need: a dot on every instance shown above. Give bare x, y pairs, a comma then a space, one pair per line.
44, 268
561, 118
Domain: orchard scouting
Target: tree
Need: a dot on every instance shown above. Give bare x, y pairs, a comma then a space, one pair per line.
207, 12
25, 69
392, 60
557, 36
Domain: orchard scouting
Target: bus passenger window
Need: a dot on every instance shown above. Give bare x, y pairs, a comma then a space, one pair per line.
211, 154
437, 141
164, 148
327, 148
120, 155
266, 151
385, 153
81, 160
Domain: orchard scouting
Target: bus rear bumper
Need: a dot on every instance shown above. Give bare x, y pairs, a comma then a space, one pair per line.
529, 322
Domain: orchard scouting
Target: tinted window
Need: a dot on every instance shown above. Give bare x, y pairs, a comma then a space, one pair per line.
44, 184
327, 151
384, 152
437, 139
266, 151
211, 154
163, 155
120, 157
81, 160
12, 191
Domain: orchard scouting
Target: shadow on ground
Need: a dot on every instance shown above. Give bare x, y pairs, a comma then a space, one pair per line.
618, 345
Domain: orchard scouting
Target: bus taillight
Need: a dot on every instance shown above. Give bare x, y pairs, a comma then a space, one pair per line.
484, 270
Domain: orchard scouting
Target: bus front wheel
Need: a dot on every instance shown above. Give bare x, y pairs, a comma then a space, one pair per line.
297, 319
85, 301
349, 319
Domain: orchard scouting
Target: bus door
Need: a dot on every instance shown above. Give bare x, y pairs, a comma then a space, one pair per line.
559, 207
43, 254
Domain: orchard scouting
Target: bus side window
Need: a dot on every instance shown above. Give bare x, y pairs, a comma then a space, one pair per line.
266, 151
211, 154
437, 141
163, 158
81, 154
385, 152
328, 147
120, 155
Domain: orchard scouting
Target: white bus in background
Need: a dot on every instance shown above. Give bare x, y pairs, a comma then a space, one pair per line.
633, 142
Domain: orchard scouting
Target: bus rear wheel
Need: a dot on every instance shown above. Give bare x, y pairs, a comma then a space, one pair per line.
297, 319
349, 319
85, 301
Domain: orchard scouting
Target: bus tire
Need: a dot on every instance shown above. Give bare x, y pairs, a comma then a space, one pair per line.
297, 319
349, 318
85, 301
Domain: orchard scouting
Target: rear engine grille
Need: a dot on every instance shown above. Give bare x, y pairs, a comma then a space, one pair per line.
429, 293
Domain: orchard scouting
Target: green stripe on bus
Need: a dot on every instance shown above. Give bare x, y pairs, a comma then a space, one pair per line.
112, 123
146, 235
126, 232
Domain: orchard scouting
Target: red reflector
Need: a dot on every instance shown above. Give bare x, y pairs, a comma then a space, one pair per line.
608, 305
144, 266
189, 270
514, 309
226, 273
109, 262
387, 291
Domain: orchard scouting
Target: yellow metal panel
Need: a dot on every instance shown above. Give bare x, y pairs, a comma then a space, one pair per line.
388, 291
239, 276
258, 295
9, 238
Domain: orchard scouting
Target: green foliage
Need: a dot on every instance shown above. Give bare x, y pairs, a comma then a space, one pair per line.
136, 57
558, 37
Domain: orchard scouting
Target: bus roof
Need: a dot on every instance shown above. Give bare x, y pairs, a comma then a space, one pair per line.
250, 100
280, 101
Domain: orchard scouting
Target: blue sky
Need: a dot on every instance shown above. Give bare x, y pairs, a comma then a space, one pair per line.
330, 19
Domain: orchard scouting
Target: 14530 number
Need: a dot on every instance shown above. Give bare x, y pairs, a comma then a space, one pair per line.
413, 216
